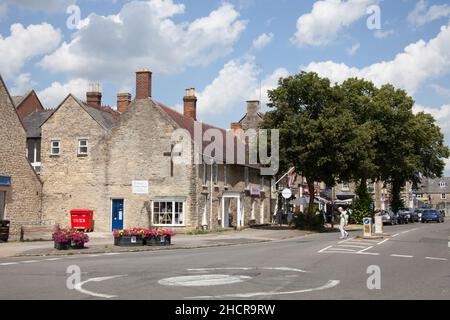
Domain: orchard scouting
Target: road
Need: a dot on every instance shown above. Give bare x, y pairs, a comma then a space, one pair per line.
414, 263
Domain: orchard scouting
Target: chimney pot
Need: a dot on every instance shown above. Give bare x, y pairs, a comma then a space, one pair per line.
143, 84
190, 104
94, 95
123, 101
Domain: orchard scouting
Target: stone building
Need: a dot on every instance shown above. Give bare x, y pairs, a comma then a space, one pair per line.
20, 187
124, 167
27, 104
434, 193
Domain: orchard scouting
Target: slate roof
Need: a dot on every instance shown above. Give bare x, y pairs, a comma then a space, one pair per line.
432, 186
33, 122
188, 124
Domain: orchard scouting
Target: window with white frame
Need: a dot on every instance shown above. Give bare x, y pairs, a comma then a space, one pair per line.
34, 154
55, 146
168, 213
83, 147
443, 184
443, 196
246, 178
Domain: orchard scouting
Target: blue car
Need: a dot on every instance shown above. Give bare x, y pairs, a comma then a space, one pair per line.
432, 215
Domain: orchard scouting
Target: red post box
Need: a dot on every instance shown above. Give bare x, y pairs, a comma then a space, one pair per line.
82, 219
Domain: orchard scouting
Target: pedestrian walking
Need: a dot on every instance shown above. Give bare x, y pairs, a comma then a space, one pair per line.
342, 223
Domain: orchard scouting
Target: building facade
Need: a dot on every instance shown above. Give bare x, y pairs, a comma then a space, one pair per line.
20, 186
123, 167
434, 193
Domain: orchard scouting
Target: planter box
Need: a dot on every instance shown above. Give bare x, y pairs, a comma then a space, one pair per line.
77, 246
159, 241
62, 246
129, 241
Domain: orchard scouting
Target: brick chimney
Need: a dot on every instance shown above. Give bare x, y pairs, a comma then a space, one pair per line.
94, 95
123, 100
143, 84
190, 104
253, 107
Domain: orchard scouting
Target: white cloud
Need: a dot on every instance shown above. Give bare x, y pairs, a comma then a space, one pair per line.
53, 95
143, 34
263, 40
351, 51
22, 84
237, 82
422, 14
327, 19
24, 44
418, 63
381, 34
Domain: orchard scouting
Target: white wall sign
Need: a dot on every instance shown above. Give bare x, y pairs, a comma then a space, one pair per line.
140, 187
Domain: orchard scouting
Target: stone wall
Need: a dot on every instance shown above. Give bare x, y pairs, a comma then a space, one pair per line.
23, 198
71, 181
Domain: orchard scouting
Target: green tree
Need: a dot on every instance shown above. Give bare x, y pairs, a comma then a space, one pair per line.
409, 147
316, 133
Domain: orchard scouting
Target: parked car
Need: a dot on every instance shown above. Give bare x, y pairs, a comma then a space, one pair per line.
389, 217
408, 214
419, 214
404, 217
432, 215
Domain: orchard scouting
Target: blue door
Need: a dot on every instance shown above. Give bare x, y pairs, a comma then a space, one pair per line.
117, 214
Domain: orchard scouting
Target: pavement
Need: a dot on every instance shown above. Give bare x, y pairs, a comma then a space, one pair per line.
103, 242
411, 262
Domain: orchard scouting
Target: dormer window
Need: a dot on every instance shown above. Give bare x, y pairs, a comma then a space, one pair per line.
83, 147
443, 184
55, 147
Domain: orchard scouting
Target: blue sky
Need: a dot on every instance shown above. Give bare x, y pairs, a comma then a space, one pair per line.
230, 51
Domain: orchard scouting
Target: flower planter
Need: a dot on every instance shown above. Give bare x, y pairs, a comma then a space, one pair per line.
62, 246
129, 241
77, 246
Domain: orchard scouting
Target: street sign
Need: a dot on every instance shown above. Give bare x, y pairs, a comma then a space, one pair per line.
367, 227
287, 193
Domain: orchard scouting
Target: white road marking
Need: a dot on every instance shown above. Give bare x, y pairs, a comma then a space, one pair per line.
324, 249
53, 259
401, 256
204, 280
329, 285
366, 249
368, 253
29, 261
380, 243
111, 254
8, 263
252, 268
395, 235
351, 246
439, 259
360, 253
79, 287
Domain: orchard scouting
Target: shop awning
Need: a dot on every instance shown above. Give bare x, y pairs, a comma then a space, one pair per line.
345, 197
5, 181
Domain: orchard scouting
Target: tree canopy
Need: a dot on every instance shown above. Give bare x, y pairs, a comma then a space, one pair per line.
353, 131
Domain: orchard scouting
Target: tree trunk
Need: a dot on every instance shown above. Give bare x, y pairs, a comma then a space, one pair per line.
310, 182
396, 202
